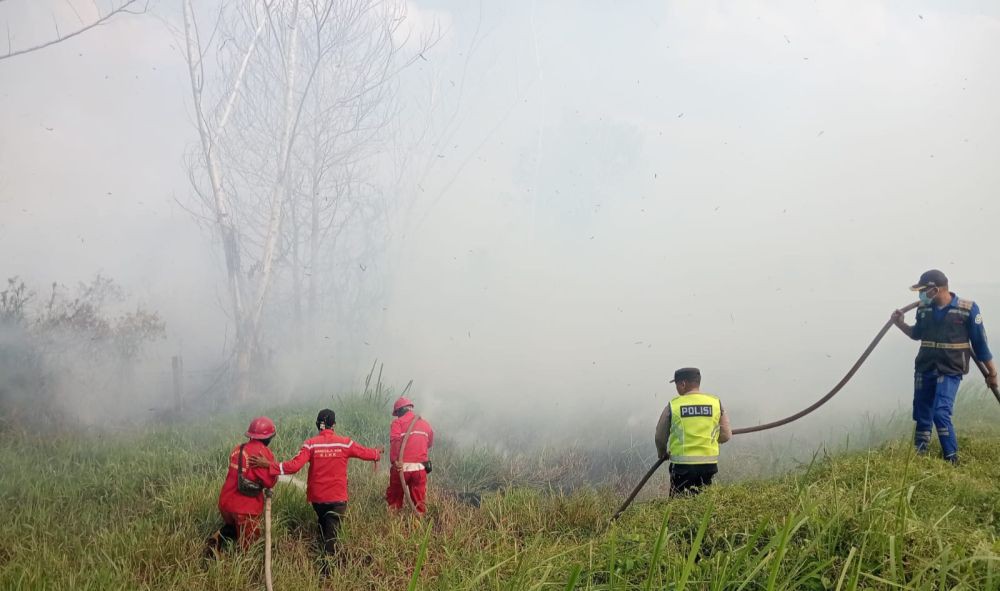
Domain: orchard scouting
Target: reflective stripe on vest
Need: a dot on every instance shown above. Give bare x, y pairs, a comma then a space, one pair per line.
694, 429
694, 459
933, 345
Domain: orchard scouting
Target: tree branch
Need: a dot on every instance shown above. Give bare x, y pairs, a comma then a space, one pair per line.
124, 8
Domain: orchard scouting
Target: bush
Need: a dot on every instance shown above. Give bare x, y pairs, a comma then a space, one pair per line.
74, 344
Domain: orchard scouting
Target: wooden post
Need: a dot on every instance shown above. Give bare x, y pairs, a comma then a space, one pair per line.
178, 366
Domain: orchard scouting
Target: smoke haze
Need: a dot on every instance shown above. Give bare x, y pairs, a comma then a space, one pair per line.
614, 190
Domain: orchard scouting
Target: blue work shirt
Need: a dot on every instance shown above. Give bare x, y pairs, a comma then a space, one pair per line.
977, 332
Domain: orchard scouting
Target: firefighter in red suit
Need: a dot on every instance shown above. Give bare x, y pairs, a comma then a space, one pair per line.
413, 461
327, 454
241, 510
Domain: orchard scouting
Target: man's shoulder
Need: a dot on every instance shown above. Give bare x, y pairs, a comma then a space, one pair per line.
965, 304
321, 437
693, 397
332, 437
256, 446
326, 441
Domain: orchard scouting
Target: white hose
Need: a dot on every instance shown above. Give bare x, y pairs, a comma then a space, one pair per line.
267, 541
292, 480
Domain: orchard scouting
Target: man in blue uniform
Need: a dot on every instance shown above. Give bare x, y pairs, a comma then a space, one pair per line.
949, 329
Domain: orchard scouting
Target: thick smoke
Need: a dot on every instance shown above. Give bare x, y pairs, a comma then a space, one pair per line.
578, 199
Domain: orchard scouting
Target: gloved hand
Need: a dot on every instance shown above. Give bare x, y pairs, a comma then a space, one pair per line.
427, 466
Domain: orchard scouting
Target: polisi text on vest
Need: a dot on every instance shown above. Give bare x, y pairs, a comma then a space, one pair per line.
696, 410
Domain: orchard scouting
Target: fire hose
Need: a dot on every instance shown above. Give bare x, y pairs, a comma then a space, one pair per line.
399, 469
843, 382
268, 493
267, 540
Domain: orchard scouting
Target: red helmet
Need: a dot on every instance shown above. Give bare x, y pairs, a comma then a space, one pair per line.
402, 402
260, 428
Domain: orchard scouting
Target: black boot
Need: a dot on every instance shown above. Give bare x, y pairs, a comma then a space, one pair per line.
213, 546
325, 567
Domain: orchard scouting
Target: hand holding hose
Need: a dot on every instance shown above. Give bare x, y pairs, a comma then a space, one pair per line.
989, 371
898, 318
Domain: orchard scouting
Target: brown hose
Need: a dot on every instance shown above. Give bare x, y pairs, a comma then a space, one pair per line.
639, 486
843, 382
986, 374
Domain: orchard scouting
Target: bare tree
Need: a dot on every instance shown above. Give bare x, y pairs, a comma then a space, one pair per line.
336, 194
100, 17
286, 119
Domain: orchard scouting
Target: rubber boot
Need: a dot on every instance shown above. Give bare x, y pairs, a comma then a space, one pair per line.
213, 546
325, 567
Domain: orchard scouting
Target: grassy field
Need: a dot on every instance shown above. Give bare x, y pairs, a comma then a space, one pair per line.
130, 510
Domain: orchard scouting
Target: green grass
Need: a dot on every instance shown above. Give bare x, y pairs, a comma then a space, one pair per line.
131, 510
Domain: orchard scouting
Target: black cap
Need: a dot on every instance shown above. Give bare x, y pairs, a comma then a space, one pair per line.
687, 374
932, 278
327, 418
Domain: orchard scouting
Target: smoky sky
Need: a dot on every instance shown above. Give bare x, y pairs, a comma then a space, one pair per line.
627, 187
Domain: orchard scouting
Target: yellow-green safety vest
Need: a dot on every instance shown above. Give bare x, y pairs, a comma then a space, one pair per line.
694, 429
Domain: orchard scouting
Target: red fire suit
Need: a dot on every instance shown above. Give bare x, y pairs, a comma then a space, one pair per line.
411, 460
327, 454
241, 513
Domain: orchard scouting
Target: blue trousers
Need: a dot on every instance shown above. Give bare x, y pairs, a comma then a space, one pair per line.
933, 400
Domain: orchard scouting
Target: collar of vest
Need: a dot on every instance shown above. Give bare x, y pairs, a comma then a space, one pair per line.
696, 392
953, 303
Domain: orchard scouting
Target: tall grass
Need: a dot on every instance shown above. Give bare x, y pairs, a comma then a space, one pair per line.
130, 511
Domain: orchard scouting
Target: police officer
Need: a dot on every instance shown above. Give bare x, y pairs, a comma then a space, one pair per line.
691, 428
949, 330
